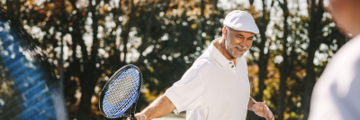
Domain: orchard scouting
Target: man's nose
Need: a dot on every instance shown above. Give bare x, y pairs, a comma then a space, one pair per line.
242, 43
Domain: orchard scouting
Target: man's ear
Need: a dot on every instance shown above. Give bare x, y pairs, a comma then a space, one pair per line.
224, 32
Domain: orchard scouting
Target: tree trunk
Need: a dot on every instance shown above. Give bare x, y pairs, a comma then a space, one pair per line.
309, 83
89, 76
88, 80
127, 27
315, 38
284, 65
124, 37
13, 11
262, 68
263, 59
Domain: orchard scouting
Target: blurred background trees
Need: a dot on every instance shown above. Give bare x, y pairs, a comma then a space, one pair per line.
163, 37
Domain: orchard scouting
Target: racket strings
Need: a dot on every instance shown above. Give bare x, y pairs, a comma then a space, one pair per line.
121, 93
121, 90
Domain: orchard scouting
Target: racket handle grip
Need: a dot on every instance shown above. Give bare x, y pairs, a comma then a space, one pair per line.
129, 116
133, 116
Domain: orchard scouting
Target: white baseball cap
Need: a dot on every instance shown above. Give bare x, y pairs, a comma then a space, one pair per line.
241, 21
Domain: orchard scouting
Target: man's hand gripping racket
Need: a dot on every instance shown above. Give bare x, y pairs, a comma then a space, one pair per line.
121, 92
262, 110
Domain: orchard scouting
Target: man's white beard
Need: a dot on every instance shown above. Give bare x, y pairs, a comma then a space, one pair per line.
230, 51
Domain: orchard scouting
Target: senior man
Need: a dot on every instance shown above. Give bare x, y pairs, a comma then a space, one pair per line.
216, 87
336, 94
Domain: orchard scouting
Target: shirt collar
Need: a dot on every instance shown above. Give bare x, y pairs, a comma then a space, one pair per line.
218, 56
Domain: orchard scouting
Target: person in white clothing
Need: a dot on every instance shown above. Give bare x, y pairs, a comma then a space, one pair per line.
336, 94
216, 87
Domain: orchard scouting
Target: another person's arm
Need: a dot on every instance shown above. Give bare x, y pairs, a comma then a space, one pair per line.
161, 107
260, 109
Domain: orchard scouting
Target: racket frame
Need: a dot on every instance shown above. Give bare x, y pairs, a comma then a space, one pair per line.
108, 83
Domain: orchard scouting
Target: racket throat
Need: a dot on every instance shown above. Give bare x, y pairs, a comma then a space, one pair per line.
133, 111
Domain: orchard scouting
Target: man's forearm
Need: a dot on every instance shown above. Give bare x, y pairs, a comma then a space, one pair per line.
251, 103
162, 106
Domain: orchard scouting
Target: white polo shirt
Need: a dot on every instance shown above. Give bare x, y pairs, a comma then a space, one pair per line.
336, 94
213, 88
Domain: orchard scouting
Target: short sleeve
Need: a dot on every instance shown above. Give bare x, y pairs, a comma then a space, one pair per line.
187, 93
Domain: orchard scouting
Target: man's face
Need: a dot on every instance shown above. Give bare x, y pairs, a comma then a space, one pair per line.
238, 42
343, 12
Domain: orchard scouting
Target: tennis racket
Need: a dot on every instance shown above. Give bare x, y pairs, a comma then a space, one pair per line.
121, 92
